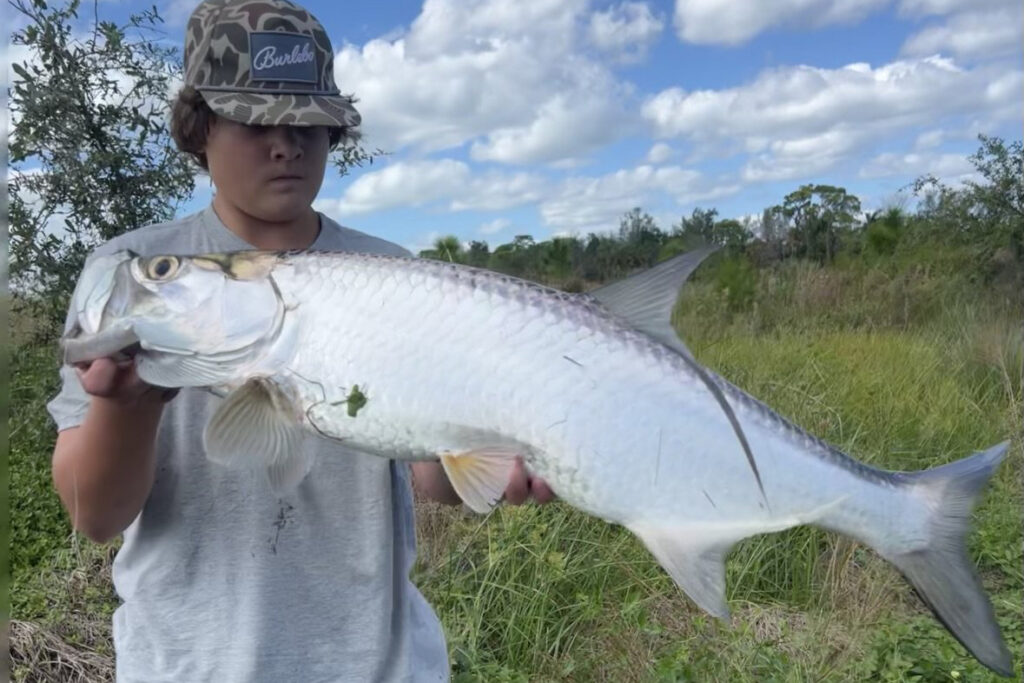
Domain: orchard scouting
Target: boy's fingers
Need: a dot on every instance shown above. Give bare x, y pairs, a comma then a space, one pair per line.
518, 488
99, 378
108, 378
540, 491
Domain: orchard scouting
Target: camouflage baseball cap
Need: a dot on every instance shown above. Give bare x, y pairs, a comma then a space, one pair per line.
265, 62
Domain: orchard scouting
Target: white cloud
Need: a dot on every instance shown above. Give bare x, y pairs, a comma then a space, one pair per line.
930, 138
577, 203
802, 120
501, 76
583, 204
177, 12
625, 31
974, 33
565, 127
405, 183
731, 22
926, 7
445, 27
495, 191
659, 153
495, 226
914, 164
447, 183
800, 157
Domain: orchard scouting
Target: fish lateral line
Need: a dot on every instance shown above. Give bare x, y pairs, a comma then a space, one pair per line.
716, 391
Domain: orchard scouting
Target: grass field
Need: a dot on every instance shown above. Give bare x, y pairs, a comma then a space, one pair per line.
902, 366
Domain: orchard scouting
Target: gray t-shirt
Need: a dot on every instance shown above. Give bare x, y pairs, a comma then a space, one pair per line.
223, 581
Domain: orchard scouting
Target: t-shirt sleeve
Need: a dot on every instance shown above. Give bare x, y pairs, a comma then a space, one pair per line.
69, 406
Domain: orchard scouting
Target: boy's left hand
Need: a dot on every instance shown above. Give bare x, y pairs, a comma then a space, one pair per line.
522, 486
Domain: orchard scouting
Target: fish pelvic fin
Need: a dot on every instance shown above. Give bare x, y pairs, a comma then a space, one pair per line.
942, 572
480, 476
257, 426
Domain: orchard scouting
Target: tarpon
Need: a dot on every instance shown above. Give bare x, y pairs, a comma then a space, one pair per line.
417, 359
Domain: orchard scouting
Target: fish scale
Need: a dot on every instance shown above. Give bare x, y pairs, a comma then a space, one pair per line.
595, 392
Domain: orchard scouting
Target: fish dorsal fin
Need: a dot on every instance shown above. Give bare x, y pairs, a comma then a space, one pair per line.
480, 476
256, 426
695, 561
646, 300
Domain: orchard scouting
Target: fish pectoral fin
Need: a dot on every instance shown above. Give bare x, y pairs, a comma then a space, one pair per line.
256, 426
284, 475
480, 476
694, 561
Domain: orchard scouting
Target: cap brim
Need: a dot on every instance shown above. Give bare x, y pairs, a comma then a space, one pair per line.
283, 110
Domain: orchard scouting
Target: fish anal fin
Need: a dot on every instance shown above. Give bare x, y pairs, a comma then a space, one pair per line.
694, 560
481, 475
256, 426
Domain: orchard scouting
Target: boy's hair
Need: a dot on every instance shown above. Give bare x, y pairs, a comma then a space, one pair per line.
191, 118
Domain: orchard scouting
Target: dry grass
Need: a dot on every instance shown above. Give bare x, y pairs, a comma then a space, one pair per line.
70, 641
39, 655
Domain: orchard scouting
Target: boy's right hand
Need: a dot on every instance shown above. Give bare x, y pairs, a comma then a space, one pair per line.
118, 381
104, 468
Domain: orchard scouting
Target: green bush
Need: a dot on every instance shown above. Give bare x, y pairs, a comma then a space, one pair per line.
881, 238
737, 278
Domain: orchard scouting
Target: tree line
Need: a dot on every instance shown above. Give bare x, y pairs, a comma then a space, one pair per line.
815, 222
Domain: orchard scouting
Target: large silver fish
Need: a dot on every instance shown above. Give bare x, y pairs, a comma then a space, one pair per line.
416, 359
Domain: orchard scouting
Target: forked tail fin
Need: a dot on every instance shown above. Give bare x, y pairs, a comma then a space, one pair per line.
942, 572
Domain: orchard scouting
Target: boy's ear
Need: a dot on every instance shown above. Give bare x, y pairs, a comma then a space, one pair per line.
212, 120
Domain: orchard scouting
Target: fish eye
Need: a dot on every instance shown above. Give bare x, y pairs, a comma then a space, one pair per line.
162, 268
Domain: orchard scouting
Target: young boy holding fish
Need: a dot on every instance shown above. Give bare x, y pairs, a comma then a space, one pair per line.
220, 578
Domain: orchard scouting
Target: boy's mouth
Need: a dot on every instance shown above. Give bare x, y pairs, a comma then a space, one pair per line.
287, 176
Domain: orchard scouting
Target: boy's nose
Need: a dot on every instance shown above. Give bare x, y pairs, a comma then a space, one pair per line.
285, 143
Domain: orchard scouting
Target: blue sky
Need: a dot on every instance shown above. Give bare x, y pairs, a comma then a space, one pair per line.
557, 116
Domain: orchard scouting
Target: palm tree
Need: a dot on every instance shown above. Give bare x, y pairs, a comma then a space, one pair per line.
448, 248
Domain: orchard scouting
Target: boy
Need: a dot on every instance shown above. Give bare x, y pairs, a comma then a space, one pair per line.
221, 580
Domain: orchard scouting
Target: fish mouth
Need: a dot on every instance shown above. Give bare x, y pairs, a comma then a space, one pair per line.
117, 341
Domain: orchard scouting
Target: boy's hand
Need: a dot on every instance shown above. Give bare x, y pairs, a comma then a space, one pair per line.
104, 468
118, 381
522, 486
